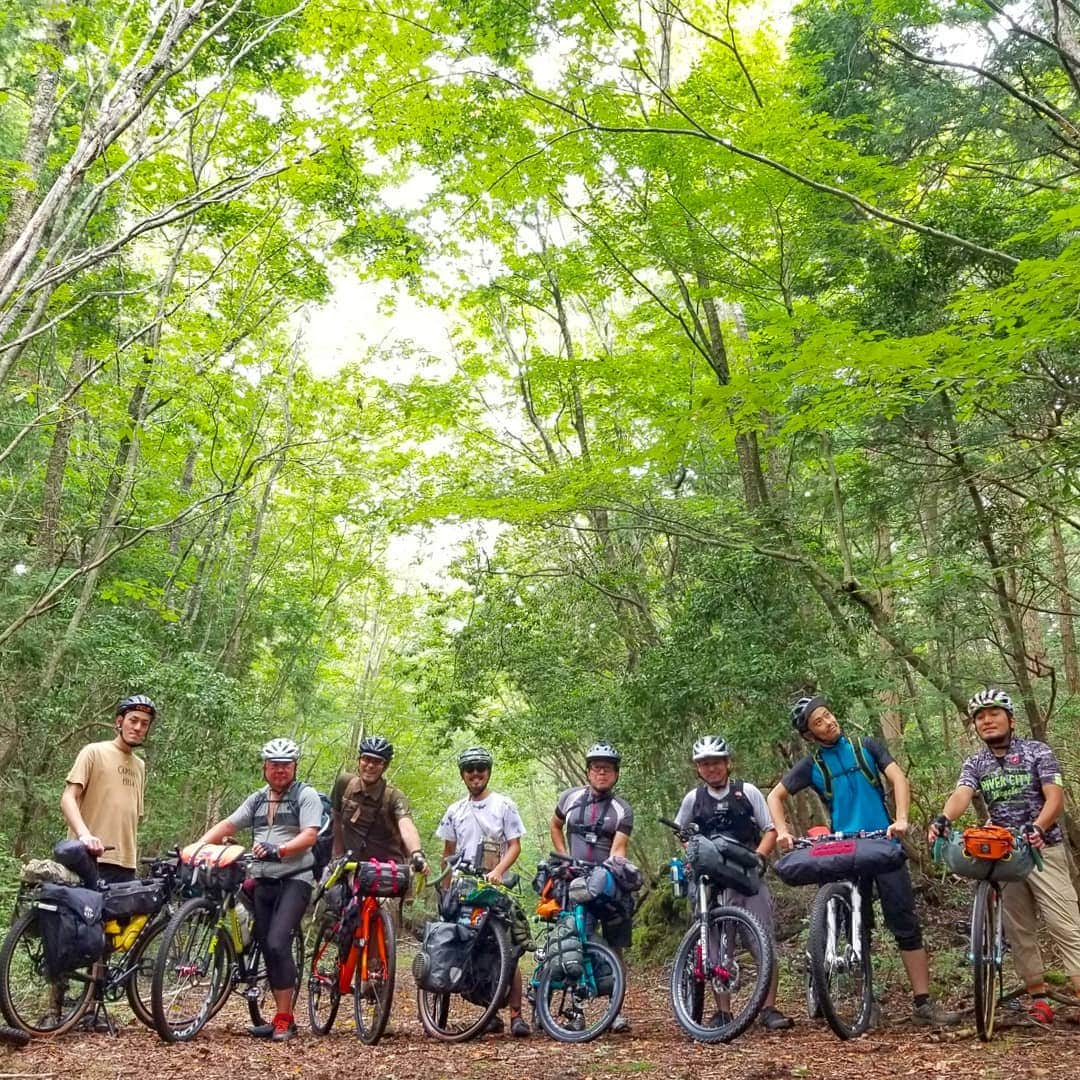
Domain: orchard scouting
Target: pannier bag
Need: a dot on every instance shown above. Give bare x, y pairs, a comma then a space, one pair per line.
986, 854
836, 860
374, 878
71, 930
127, 898
605, 977
212, 866
442, 964
482, 975
628, 877
725, 863
563, 950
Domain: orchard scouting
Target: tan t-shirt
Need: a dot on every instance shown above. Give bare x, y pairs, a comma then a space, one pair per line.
112, 798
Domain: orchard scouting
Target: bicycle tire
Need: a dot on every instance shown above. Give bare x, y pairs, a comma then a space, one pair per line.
377, 991
195, 954
683, 987
140, 983
324, 991
25, 989
14, 1036
258, 989
596, 954
435, 1009
984, 958
846, 1023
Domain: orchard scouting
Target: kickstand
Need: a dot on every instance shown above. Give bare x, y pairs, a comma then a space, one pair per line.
100, 1011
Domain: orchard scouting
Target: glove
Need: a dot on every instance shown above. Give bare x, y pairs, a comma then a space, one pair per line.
418, 862
943, 824
271, 853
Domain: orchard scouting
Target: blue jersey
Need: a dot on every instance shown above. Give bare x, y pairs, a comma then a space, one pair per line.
856, 803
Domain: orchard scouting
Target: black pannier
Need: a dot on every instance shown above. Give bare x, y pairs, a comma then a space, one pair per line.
563, 950
71, 931
836, 860
442, 964
725, 863
482, 977
127, 898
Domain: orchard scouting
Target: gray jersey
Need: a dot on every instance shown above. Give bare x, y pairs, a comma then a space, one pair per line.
592, 821
286, 826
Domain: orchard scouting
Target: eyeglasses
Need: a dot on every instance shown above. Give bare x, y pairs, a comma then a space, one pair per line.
474, 769
597, 766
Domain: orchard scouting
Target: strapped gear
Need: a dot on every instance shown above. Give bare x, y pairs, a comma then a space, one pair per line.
376, 746
732, 816
862, 764
990, 699
475, 756
711, 746
603, 751
280, 750
137, 701
803, 709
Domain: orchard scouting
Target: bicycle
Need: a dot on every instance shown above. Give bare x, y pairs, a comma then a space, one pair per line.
987, 946
208, 950
37, 1003
482, 912
726, 949
354, 950
838, 945
576, 1001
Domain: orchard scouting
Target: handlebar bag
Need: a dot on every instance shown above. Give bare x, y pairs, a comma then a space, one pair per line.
837, 860
219, 867
376, 878
977, 856
724, 863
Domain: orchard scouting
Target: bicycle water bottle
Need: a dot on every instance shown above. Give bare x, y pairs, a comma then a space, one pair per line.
243, 919
678, 877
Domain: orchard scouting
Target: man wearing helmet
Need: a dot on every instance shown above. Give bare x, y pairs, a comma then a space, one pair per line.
284, 817
724, 806
372, 819
846, 773
598, 824
1020, 781
487, 829
103, 795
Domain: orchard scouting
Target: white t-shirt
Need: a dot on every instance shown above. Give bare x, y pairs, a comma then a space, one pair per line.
762, 817
469, 822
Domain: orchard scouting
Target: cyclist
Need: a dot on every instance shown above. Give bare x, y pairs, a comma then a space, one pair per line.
284, 820
103, 793
724, 806
598, 824
371, 818
847, 776
487, 828
1020, 780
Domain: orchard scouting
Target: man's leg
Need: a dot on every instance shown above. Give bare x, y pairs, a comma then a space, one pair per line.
1055, 897
1022, 929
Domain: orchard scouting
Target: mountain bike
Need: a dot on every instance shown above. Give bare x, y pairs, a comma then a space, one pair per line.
838, 945
483, 911
726, 951
355, 945
208, 951
37, 1003
987, 947
574, 999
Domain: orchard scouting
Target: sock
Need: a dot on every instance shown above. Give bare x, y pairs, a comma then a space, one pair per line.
921, 999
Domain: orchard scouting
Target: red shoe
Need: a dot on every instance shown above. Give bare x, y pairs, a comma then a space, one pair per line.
1041, 1011
284, 1027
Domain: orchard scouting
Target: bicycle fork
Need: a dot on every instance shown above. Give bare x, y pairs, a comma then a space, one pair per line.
703, 968
850, 957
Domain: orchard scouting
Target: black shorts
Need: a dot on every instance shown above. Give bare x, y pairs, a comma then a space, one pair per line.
616, 922
898, 906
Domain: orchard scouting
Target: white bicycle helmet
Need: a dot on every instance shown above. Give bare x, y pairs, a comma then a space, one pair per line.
280, 750
603, 751
711, 746
990, 699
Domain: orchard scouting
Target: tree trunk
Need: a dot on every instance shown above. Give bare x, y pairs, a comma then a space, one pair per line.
1066, 625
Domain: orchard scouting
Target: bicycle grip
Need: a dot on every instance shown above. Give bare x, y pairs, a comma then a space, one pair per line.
937, 848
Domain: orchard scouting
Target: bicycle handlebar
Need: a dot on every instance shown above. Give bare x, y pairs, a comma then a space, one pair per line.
859, 834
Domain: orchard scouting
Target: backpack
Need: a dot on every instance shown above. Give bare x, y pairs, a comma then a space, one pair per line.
868, 770
71, 930
324, 838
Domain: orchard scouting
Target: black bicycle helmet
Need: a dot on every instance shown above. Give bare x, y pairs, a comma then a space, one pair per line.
803, 709
376, 746
477, 756
137, 701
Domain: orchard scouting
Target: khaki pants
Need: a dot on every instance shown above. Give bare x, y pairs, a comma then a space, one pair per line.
1049, 894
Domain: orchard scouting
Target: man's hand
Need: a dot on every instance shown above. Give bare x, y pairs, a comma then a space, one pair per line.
938, 827
92, 844
785, 841
1035, 835
494, 876
897, 830
418, 862
266, 852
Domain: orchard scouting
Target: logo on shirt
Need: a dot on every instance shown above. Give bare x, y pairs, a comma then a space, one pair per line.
1014, 759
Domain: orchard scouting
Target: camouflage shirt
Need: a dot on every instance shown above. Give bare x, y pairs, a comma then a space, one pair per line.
1012, 784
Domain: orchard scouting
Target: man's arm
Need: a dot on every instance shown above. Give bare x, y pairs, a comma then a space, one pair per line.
219, 833
955, 807
902, 797
558, 843
513, 850
775, 800
410, 836
620, 843
1054, 795
71, 808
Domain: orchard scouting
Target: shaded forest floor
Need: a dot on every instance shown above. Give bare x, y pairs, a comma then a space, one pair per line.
655, 1047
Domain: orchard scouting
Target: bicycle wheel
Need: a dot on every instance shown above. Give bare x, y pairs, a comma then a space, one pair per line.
324, 993
577, 1010
373, 996
260, 999
457, 1017
985, 920
140, 981
843, 976
30, 1000
737, 971
195, 958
